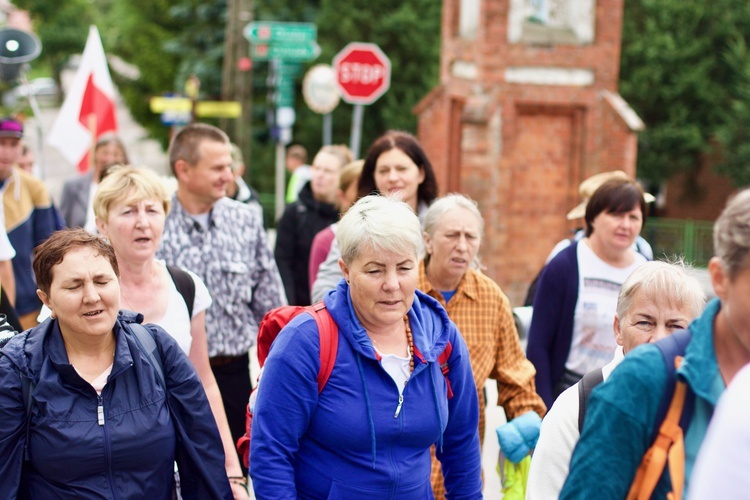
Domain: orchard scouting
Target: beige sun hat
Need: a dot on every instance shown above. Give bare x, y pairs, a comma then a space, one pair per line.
587, 187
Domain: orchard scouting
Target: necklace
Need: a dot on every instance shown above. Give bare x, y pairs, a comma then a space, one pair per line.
410, 341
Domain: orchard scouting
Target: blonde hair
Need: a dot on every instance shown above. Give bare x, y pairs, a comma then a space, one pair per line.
129, 184
350, 174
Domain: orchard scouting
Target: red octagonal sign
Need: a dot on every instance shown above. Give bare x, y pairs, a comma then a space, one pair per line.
363, 72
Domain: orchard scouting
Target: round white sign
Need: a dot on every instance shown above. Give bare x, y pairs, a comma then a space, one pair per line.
320, 90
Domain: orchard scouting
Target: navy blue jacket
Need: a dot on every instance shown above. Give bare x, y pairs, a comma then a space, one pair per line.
551, 330
128, 451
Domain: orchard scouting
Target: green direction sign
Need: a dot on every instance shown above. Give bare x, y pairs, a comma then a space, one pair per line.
281, 100
285, 51
288, 69
276, 32
283, 95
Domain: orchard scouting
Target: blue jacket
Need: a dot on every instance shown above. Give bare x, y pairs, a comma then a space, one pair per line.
551, 330
73, 454
621, 415
345, 443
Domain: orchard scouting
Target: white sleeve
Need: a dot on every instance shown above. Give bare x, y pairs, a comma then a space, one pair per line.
557, 438
203, 298
721, 469
7, 252
561, 245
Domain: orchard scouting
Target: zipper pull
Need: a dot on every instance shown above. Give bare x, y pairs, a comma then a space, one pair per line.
400, 404
100, 411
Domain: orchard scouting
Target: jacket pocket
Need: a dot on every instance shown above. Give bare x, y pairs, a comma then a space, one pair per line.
344, 491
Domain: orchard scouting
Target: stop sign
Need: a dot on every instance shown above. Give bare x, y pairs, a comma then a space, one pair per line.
363, 72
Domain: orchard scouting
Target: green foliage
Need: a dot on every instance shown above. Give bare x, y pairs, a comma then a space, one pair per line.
61, 26
682, 71
408, 31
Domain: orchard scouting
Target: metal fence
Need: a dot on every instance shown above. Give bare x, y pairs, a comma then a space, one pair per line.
691, 239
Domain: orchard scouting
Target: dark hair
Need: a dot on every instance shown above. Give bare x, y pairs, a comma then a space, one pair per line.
616, 196
186, 144
396, 139
53, 251
297, 151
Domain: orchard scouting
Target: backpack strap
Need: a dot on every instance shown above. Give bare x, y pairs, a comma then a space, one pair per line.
672, 347
585, 386
674, 412
185, 285
145, 341
669, 446
329, 341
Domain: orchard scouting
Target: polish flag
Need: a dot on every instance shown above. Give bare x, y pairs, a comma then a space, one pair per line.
89, 108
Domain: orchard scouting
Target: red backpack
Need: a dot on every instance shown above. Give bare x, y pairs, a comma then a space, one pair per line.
268, 330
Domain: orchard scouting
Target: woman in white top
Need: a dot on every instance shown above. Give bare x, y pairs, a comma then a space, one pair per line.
571, 329
130, 207
656, 300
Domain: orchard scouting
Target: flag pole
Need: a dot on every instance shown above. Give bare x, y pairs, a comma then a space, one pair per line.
92, 129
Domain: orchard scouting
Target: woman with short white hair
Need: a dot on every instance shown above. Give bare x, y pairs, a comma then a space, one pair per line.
658, 299
368, 432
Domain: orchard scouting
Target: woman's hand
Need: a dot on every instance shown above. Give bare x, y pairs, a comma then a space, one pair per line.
239, 490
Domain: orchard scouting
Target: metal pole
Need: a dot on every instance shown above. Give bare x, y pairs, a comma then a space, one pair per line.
280, 169
327, 122
37, 121
356, 134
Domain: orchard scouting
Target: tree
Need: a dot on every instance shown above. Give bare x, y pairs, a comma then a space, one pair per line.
682, 70
61, 26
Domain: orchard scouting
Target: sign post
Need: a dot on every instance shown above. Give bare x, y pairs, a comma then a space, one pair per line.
281, 44
363, 74
322, 95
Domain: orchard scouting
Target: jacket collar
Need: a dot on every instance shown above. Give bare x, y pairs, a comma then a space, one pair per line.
188, 223
700, 368
428, 320
58, 355
466, 287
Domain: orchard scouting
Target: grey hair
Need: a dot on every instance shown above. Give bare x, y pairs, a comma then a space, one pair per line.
671, 280
383, 223
443, 205
732, 233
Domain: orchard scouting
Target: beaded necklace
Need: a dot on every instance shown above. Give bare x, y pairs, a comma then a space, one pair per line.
410, 340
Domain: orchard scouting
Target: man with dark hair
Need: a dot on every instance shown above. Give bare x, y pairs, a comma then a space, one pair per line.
28, 215
223, 242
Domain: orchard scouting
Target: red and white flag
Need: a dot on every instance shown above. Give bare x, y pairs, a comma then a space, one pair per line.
89, 108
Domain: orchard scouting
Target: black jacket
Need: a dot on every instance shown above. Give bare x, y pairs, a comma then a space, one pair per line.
295, 231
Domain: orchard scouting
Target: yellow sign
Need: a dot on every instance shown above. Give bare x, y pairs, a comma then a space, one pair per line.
164, 104
218, 109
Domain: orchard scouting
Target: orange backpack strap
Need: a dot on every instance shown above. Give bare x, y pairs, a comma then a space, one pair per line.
329, 341
668, 446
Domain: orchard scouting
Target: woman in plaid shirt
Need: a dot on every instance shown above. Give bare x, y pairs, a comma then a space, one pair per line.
453, 229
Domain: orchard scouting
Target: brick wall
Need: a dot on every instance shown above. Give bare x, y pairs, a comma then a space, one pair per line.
521, 149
